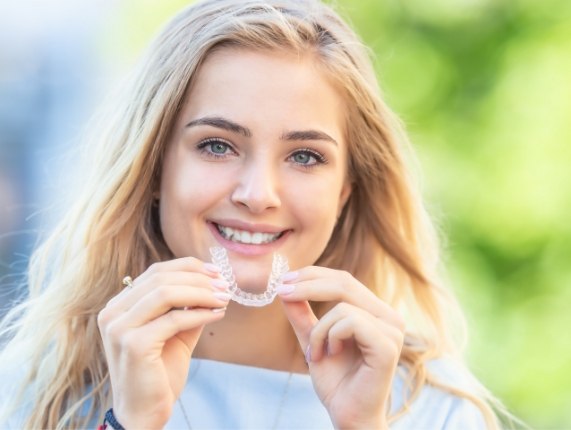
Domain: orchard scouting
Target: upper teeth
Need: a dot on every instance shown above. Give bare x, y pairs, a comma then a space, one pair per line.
243, 236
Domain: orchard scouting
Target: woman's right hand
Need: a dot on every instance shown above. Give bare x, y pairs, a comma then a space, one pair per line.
149, 333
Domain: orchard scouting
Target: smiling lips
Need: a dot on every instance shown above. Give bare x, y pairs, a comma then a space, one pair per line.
247, 237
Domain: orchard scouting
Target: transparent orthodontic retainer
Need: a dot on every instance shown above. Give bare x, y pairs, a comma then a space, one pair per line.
279, 268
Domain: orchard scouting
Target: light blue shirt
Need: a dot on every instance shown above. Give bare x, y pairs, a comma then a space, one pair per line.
229, 396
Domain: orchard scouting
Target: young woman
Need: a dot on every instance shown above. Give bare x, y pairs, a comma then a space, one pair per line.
257, 127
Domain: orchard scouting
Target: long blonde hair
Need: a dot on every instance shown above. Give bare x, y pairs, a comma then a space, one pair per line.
383, 237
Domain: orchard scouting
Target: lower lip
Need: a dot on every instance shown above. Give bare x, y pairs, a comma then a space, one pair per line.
244, 248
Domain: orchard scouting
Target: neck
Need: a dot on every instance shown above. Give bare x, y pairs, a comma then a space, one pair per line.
259, 337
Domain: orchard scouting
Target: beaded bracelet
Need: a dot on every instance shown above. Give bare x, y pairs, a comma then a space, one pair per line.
110, 422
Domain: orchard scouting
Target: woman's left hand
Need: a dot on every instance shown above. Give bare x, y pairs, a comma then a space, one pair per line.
352, 351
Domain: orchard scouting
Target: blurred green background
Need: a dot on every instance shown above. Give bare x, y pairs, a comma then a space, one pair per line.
484, 89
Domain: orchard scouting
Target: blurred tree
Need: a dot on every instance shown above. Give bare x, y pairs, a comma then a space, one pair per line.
484, 89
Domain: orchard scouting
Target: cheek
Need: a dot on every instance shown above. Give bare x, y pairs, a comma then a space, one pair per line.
315, 204
316, 192
187, 182
189, 194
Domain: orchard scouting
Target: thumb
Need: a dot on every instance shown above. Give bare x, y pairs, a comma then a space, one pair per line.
302, 319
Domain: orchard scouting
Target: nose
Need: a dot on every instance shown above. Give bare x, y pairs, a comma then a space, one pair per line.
257, 187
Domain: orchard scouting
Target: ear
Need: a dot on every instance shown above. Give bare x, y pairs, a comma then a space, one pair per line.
344, 196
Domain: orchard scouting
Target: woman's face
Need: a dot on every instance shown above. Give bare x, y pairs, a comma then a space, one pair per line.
256, 163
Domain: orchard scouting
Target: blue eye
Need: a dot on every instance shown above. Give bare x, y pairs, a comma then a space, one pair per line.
218, 147
215, 147
302, 158
307, 158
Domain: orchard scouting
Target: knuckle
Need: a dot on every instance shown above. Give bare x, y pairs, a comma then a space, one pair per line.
395, 350
342, 308
395, 337
400, 323
343, 287
103, 318
113, 332
390, 352
162, 294
400, 340
353, 320
315, 335
398, 336
340, 291
191, 261
154, 268
347, 276
157, 277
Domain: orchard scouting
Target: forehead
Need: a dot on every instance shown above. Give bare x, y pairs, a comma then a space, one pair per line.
250, 85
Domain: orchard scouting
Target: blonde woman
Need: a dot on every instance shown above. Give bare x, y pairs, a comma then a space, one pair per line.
255, 127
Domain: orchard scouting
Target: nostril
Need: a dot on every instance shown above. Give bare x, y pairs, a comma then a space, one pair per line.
256, 198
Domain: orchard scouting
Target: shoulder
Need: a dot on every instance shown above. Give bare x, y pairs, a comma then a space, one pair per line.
436, 407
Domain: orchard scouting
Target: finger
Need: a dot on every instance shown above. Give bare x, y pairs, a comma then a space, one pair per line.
344, 322
150, 283
319, 338
150, 338
383, 353
165, 298
185, 264
302, 320
380, 344
322, 284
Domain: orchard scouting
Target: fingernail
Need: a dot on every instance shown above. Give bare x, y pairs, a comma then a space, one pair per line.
218, 310
289, 276
308, 354
212, 268
222, 296
220, 284
285, 289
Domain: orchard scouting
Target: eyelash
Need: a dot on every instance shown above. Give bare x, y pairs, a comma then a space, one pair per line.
203, 145
319, 158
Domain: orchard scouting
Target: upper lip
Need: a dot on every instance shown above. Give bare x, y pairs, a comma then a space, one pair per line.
242, 225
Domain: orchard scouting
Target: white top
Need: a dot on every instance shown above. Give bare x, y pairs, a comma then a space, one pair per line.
229, 396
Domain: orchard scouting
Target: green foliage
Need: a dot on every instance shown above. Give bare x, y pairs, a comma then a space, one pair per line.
484, 87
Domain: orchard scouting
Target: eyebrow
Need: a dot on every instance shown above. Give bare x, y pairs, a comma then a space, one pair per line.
308, 135
228, 125
223, 123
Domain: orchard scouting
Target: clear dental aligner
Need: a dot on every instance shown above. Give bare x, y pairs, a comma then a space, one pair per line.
279, 268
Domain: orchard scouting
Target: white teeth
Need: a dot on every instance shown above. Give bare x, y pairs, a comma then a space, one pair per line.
257, 238
246, 237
